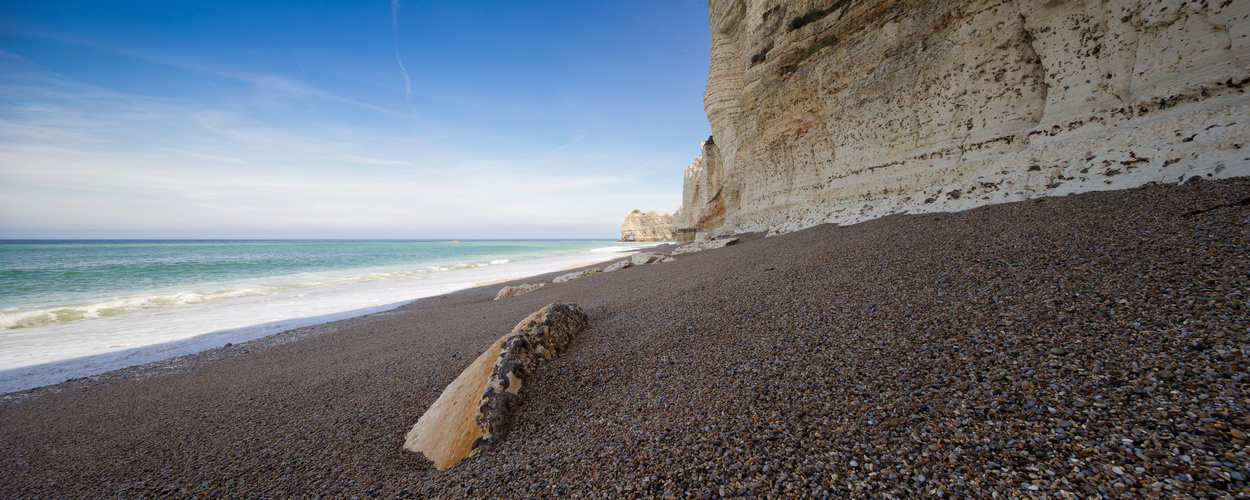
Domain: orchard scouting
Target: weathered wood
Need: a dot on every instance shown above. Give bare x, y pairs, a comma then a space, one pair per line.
476, 411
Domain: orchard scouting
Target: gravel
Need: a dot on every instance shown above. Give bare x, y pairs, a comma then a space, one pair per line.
1092, 345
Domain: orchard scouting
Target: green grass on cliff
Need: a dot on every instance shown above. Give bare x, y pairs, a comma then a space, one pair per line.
820, 44
816, 15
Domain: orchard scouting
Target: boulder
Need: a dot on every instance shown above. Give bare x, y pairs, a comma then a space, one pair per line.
646, 258
706, 245
618, 266
513, 291
579, 274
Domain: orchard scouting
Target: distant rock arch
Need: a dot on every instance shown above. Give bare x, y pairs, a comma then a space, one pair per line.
649, 226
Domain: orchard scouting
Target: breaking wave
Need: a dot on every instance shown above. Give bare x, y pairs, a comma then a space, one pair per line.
30, 317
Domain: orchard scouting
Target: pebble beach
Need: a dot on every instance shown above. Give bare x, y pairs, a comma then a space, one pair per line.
1088, 346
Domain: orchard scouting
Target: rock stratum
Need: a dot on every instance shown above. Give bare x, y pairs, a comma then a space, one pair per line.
649, 226
841, 111
477, 410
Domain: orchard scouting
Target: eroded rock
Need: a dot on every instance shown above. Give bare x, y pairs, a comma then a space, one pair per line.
579, 274
618, 266
705, 245
646, 258
513, 291
476, 411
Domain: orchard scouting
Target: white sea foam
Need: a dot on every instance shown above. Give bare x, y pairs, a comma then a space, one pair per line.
102, 336
621, 248
14, 318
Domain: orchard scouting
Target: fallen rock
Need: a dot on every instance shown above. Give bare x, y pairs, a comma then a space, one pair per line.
706, 245
476, 411
646, 258
618, 266
690, 248
580, 274
719, 243
513, 291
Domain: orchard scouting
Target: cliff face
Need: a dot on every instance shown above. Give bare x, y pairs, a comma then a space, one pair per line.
650, 226
845, 110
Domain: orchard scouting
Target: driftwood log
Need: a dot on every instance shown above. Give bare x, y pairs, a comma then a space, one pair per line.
478, 409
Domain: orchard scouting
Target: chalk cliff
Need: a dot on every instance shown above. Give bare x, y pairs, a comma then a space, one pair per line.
845, 110
650, 226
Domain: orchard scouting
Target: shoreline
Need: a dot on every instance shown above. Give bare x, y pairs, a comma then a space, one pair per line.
19, 379
966, 352
578, 267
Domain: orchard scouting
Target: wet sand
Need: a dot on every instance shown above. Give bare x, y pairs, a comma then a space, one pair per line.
1093, 344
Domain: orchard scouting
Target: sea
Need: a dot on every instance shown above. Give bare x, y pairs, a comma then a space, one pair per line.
77, 308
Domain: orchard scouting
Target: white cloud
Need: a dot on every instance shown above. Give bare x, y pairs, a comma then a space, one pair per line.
74, 156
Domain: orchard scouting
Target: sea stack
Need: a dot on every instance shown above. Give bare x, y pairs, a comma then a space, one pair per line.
650, 226
838, 112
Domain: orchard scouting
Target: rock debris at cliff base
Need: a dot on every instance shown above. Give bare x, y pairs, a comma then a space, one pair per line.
1092, 344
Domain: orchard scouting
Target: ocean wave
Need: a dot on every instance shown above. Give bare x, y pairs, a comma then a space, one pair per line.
113, 306
18, 318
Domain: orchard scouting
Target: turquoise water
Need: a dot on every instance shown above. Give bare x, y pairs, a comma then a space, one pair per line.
48, 282
77, 308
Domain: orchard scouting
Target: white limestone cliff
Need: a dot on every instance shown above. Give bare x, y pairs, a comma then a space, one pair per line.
845, 110
650, 226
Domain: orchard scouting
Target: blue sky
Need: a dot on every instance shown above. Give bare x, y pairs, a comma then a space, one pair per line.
335, 119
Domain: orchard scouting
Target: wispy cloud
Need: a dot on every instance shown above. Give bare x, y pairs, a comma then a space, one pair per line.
112, 189
394, 16
395, 45
364, 160
79, 156
4, 54
261, 81
286, 86
407, 81
218, 158
569, 144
